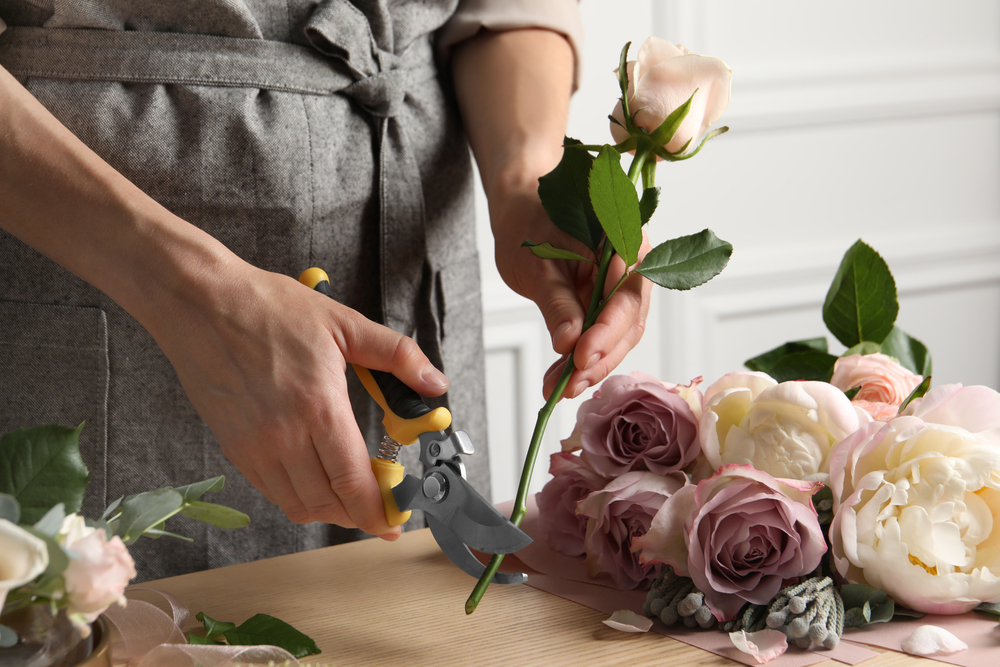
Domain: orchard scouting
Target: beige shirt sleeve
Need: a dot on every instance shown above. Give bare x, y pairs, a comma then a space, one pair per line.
562, 16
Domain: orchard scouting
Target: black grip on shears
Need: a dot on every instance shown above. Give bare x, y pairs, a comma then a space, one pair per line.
402, 400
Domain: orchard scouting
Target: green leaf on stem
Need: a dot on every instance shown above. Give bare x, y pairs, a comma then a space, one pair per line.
648, 202
668, 128
10, 510
861, 303
41, 466
917, 392
687, 261
623, 87
52, 521
864, 604
195, 491
910, 352
548, 251
765, 362
681, 155
212, 626
219, 516
565, 195
804, 365
144, 511
852, 392
616, 204
264, 629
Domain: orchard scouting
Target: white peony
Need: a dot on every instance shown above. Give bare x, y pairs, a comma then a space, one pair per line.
22, 557
917, 502
786, 430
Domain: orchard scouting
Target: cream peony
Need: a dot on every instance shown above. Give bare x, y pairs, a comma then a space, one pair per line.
786, 430
917, 502
662, 78
22, 557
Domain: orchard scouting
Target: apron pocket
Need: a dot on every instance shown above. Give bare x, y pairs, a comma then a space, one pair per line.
54, 369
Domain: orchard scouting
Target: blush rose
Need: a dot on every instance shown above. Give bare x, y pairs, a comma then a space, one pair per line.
884, 382
572, 481
636, 422
661, 79
740, 535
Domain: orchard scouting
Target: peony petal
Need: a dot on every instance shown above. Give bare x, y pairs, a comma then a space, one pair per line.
627, 620
764, 646
928, 640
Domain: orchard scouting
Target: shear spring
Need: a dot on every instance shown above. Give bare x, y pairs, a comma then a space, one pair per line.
389, 449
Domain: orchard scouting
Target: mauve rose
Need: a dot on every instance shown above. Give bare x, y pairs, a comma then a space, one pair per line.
636, 422
663, 78
97, 575
572, 481
882, 379
740, 535
618, 514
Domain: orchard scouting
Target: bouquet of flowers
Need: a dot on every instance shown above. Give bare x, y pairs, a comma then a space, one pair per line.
810, 493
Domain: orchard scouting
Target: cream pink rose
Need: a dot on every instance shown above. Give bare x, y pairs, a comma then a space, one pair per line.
740, 535
883, 382
786, 430
636, 422
616, 515
662, 78
917, 502
98, 572
572, 481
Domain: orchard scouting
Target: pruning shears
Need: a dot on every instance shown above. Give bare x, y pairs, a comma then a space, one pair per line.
458, 516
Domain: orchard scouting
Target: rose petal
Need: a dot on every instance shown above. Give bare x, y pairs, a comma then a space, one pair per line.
932, 640
627, 620
764, 646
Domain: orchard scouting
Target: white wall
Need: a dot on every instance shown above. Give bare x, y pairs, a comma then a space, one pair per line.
877, 119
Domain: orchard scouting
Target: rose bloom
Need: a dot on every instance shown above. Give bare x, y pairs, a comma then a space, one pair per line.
572, 481
636, 422
618, 514
22, 557
740, 535
663, 78
785, 430
884, 382
98, 572
917, 502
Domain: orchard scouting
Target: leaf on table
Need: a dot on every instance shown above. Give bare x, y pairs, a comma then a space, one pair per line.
687, 261
264, 629
612, 194
565, 195
212, 626
41, 466
861, 303
219, 516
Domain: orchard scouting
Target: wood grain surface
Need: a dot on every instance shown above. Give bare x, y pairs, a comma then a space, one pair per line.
402, 603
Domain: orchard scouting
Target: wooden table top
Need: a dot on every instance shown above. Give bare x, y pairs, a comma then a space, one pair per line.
402, 603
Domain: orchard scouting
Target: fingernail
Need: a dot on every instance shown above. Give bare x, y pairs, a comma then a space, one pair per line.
433, 377
579, 388
593, 360
390, 537
561, 331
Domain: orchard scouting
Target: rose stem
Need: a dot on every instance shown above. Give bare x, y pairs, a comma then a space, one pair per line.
521, 500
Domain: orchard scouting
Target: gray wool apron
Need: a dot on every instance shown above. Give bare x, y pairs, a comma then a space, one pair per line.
298, 134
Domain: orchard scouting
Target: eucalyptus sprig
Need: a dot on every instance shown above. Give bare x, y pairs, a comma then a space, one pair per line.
594, 200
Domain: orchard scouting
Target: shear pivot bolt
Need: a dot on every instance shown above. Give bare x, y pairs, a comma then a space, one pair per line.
435, 487
434, 450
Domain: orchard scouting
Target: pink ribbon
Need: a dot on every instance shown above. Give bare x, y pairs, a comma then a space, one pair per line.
152, 638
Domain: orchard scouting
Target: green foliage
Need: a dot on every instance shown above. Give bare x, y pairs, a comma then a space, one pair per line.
612, 194
863, 348
861, 303
648, 202
219, 516
687, 261
257, 630
864, 604
917, 392
668, 128
9, 508
991, 608
910, 352
565, 195
548, 251
796, 360
41, 466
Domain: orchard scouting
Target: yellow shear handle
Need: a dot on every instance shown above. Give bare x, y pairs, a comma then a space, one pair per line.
406, 416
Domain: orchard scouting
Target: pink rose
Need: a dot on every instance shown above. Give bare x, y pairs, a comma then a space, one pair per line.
96, 578
740, 535
572, 481
882, 379
880, 412
616, 515
636, 422
662, 79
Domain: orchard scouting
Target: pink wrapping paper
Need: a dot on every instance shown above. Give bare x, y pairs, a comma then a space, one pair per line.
981, 633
